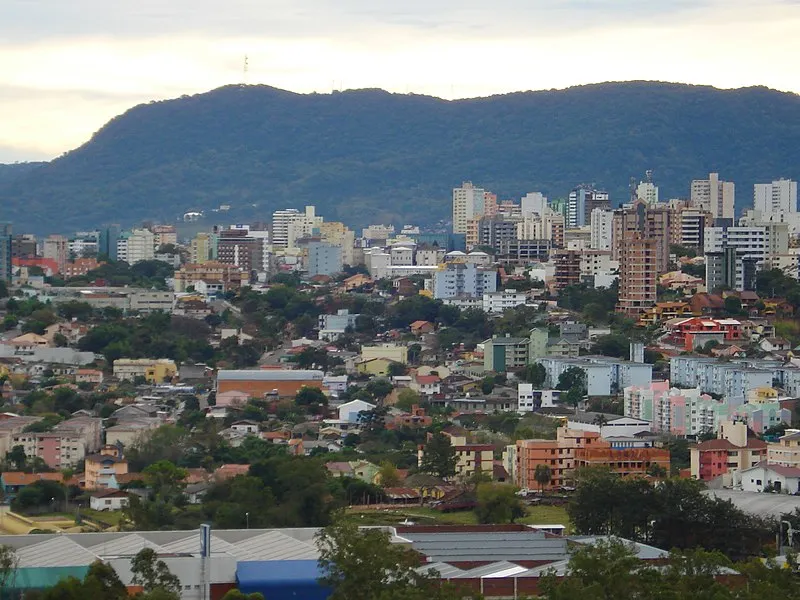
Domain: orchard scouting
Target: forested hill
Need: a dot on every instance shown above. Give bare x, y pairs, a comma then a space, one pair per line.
370, 156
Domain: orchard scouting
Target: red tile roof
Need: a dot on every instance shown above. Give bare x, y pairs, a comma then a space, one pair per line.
20, 478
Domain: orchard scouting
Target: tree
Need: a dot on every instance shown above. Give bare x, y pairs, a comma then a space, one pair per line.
572, 378
379, 388
388, 475
498, 503
439, 457
164, 478
396, 369
542, 475
310, 396
406, 399
536, 375
9, 563
237, 595
365, 565
102, 581
154, 574
17, 457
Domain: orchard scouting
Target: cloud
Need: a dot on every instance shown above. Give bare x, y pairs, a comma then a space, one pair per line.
69, 66
38, 20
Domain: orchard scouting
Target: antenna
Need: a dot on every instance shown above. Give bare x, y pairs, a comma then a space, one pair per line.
246, 67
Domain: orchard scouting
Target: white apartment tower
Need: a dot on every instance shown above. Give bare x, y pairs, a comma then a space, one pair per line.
135, 246
533, 202
468, 203
280, 226
601, 226
714, 196
777, 197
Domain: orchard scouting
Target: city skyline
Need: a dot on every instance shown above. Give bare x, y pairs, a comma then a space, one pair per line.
68, 70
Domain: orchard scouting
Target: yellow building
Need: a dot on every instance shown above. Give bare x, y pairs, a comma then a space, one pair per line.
471, 458
201, 248
390, 352
786, 451
762, 395
154, 370
374, 366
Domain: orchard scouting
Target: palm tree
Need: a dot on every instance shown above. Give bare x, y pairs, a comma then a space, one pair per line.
600, 421
542, 475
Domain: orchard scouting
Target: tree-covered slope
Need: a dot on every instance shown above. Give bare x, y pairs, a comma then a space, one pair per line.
370, 156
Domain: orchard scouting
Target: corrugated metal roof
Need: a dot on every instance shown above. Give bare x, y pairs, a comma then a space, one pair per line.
191, 545
443, 569
58, 551
498, 569
466, 546
269, 375
273, 545
123, 546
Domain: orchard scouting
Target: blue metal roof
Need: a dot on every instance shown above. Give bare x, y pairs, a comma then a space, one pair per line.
282, 579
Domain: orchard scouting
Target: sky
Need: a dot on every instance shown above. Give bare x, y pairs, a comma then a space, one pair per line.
68, 66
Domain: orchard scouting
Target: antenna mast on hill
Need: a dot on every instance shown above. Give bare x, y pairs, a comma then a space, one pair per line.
246, 68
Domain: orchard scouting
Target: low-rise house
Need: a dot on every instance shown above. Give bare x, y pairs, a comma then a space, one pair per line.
195, 492
245, 427
276, 437
419, 328
109, 499
152, 370
229, 471
351, 411
426, 385
415, 419
103, 469
774, 344
14, 481
766, 477
93, 376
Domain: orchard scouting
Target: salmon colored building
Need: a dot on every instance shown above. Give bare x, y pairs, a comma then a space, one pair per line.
573, 449
283, 383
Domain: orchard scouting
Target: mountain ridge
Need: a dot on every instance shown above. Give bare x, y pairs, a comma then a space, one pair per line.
369, 155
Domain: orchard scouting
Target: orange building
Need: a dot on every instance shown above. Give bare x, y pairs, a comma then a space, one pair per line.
101, 470
624, 461
573, 449
283, 383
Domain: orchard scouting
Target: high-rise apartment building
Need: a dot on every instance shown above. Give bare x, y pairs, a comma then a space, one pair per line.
107, 241
545, 226
647, 222
23, 246
582, 201
567, 268
647, 190
56, 248
469, 202
237, 247
164, 234
280, 226
638, 274
714, 196
339, 234
776, 197
203, 248
6, 238
691, 228
135, 246
490, 205
734, 255
601, 224
533, 202
463, 279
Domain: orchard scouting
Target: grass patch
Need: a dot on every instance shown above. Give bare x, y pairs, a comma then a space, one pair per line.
112, 517
547, 515
536, 515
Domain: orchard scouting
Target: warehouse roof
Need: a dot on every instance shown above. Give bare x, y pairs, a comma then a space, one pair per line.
270, 375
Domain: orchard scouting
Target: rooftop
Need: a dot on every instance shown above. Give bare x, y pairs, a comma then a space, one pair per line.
270, 375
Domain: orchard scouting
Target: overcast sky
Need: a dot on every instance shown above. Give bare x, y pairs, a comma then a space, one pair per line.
67, 66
